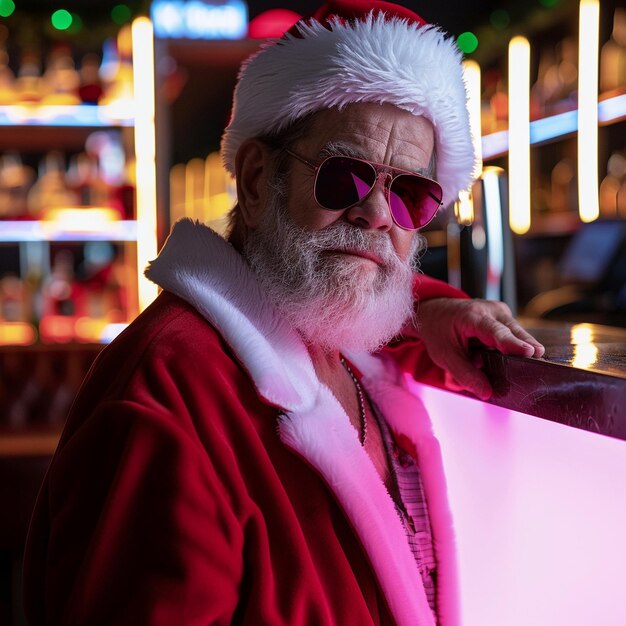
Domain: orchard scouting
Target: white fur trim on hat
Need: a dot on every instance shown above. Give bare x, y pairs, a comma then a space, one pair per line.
416, 68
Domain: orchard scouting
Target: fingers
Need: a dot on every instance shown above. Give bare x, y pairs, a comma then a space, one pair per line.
516, 329
498, 329
496, 334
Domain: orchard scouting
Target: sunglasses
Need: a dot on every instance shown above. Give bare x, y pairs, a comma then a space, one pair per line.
342, 182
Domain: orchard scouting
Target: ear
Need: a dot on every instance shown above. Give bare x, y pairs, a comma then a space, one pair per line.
252, 169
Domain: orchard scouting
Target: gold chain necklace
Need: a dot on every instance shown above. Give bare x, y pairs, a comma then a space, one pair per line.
361, 400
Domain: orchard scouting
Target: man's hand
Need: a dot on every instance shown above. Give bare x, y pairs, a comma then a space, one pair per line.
446, 325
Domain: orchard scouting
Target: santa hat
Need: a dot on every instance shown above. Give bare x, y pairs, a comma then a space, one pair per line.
358, 51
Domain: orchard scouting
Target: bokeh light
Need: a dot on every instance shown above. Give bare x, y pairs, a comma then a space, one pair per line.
467, 42
121, 14
61, 19
500, 19
76, 25
6, 8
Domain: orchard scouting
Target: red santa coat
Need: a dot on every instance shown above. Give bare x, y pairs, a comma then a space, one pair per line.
206, 476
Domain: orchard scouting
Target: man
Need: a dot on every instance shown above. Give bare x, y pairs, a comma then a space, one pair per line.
245, 453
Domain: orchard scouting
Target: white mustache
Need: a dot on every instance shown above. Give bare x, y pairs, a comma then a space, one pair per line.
342, 236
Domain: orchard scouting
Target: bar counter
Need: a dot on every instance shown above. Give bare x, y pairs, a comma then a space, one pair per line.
580, 381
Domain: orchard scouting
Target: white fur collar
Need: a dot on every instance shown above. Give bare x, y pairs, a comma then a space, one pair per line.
197, 265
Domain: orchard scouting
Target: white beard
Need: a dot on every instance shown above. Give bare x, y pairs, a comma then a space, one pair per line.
326, 297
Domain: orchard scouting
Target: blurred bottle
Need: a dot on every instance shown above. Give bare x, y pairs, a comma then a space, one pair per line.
115, 172
90, 90
60, 78
50, 189
109, 63
611, 185
84, 181
12, 299
500, 107
490, 79
125, 193
15, 181
78, 178
565, 98
58, 287
118, 79
613, 55
8, 92
547, 86
30, 87
33, 284
558, 77
100, 283
563, 186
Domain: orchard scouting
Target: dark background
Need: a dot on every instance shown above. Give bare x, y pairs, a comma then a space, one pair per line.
195, 80
454, 16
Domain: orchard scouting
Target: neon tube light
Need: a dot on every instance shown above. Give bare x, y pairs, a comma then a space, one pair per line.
519, 135
612, 109
471, 73
15, 231
495, 245
589, 28
81, 115
145, 154
464, 207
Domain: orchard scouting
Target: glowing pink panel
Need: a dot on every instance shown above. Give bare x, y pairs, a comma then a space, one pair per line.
540, 513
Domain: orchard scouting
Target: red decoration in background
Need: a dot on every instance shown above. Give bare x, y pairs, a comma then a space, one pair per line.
358, 9
272, 23
346, 10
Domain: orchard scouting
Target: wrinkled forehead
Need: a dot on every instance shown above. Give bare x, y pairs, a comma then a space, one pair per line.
377, 132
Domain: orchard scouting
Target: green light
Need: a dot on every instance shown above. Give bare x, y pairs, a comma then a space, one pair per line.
61, 19
121, 14
76, 25
548, 3
6, 8
500, 19
467, 42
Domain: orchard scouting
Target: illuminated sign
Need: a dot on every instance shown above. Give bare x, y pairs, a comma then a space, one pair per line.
200, 19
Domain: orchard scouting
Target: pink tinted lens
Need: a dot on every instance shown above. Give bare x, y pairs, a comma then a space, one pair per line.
342, 182
414, 200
